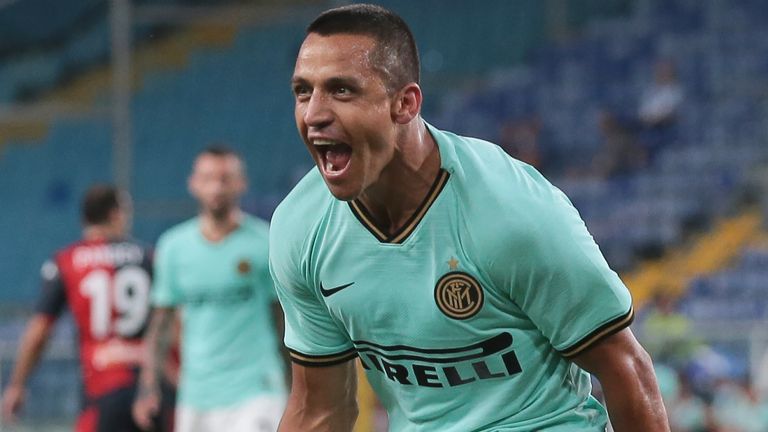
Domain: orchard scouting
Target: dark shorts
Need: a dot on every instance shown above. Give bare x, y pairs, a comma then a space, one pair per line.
112, 412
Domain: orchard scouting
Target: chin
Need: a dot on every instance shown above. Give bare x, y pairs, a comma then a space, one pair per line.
220, 212
342, 193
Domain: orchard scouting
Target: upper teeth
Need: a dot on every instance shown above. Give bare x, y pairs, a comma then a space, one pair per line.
324, 142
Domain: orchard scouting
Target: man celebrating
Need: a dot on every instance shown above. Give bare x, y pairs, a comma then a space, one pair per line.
213, 268
467, 284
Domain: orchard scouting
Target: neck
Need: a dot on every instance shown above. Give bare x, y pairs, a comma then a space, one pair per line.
216, 227
405, 182
100, 232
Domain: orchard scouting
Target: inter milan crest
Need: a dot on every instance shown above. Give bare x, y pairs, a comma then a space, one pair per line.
458, 294
244, 267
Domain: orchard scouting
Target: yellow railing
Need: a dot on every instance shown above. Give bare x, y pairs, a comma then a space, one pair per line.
707, 253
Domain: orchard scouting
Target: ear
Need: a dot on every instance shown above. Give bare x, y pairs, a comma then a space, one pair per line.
243, 184
191, 185
407, 103
114, 214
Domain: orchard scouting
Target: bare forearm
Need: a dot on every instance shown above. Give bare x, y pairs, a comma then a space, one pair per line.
323, 399
635, 404
625, 372
299, 416
158, 340
31, 347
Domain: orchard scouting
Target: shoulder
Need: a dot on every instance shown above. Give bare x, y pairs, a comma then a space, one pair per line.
135, 243
490, 181
50, 270
301, 210
482, 166
295, 225
131, 250
68, 248
255, 226
507, 202
62, 258
179, 234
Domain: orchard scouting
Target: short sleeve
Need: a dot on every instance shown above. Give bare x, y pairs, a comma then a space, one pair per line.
312, 336
165, 292
264, 281
563, 283
53, 296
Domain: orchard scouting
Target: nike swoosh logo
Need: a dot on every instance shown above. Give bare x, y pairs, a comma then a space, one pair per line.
332, 291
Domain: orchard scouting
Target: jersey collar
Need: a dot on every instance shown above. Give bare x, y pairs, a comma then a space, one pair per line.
365, 218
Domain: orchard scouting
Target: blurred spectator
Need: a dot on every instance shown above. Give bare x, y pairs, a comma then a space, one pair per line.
669, 382
661, 101
666, 333
632, 141
620, 153
738, 408
687, 411
521, 139
761, 378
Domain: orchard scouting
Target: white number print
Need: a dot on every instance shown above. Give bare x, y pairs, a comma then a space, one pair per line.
127, 291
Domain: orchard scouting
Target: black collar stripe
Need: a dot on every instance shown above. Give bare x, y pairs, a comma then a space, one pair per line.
364, 216
437, 187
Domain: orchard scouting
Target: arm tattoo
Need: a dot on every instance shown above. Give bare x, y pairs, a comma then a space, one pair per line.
158, 344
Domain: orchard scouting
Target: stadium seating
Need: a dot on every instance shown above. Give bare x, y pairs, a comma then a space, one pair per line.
721, 55
238, 93
737, 293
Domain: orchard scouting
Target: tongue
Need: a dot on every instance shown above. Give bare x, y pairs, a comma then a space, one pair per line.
338, 156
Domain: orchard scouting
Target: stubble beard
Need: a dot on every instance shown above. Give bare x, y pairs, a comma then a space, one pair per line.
220, 213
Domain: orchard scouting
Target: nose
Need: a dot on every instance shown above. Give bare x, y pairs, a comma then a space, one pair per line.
317, 113
217, 186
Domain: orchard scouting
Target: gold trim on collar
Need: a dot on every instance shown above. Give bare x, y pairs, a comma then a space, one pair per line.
364, 216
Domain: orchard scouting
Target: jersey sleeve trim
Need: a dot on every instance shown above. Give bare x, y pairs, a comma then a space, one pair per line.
611, 327
323, 360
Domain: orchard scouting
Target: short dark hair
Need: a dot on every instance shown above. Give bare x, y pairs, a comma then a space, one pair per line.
220, 150
395, 53
223, 150
98, 202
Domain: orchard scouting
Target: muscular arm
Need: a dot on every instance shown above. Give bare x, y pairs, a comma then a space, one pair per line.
322, 399
626, 374
157, 342
31, 347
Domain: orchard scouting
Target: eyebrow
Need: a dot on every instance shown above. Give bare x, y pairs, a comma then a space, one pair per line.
334, 81
343, 80
298, 80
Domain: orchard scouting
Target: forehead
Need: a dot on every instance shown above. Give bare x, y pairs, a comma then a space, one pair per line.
328, 55
209, 162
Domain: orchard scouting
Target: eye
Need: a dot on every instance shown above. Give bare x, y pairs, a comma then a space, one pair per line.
301, 91
343, 91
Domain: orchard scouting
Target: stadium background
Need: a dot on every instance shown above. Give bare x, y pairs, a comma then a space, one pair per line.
128, 91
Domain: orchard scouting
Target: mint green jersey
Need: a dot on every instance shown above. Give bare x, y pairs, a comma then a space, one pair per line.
466, 318
229, 349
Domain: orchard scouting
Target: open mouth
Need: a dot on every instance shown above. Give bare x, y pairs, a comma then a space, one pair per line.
335, 156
